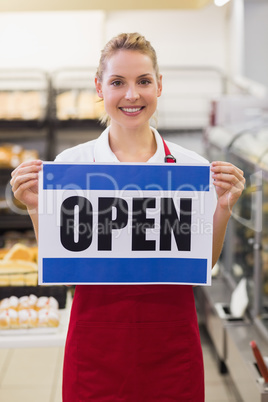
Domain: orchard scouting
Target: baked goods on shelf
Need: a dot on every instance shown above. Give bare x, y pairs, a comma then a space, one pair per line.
19, 252
18, 266
48, 303
22, 105
12, 237
25, 312
48, 318
11, 155
79, 105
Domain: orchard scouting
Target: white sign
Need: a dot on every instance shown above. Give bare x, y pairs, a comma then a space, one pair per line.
125, 224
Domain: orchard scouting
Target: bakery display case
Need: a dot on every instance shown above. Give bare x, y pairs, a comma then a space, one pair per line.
217, 140
262, 314
246, 151
240, 136
24, 96
24, 114
76, 107
24, 135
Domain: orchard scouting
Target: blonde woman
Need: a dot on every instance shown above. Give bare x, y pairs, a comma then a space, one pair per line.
137, 343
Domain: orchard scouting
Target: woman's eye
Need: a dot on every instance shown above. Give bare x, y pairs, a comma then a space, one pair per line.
145, 82
116, 83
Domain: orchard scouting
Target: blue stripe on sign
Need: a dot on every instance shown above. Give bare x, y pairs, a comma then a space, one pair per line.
124, 270
169, 177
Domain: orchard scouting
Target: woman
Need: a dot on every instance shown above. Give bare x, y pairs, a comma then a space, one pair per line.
140, 342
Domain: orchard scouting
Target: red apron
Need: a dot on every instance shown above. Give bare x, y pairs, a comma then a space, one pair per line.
133, 343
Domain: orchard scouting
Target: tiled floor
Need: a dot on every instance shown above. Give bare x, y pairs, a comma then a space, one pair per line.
218, 387
34, 375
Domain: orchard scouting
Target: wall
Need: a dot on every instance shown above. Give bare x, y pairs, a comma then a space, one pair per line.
256, 41
51, 40
180, 37
235, 38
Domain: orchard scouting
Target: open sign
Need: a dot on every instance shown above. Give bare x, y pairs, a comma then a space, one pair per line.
125, 224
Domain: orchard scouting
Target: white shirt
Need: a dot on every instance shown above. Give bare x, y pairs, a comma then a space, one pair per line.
99, 151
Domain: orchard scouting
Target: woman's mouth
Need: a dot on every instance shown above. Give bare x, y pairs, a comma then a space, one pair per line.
132, 111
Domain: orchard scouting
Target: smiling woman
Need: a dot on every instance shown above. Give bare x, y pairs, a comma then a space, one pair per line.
133, 342
129, 88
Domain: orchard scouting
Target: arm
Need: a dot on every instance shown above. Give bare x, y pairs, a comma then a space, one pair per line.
24, 182
229, 182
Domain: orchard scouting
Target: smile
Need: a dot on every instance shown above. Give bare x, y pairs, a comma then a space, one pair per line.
131, 109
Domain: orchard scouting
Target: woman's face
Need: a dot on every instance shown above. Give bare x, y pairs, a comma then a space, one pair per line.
129, 89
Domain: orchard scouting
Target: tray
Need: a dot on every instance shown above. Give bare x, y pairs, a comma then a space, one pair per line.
28, 331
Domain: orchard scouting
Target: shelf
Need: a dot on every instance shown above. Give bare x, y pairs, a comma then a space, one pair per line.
79, 124
13, 222
20, 124
29, 340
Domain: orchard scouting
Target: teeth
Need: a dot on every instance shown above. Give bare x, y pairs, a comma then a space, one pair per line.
131, 110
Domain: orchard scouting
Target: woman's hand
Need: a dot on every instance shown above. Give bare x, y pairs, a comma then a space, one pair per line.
24, 183
229, 182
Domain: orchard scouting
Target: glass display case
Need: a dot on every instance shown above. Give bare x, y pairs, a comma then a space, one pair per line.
264, 240
217, 140
244, 244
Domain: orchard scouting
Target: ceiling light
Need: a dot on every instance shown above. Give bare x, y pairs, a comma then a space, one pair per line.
220, 3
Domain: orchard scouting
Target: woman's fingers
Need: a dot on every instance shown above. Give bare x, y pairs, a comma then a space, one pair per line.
24, 186
24, 182
229, 182
226, 172
36, 162
220, 165
17, 181
25, 169
230, 179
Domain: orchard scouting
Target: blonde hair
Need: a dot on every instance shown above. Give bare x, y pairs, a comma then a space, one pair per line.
125, 41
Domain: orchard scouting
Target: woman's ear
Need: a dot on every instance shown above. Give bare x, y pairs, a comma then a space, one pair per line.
98, 87
159, 86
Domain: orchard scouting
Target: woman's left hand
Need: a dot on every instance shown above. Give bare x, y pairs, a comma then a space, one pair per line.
229, 182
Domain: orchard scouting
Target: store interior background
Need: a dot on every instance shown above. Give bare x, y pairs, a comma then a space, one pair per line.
231, 40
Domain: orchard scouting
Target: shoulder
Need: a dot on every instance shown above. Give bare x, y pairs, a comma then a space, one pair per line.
80, 153
184, 155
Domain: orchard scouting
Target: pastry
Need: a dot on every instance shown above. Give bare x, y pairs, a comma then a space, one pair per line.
4, 305
4, 319
13, 318
32, 300
19, 252
48, 318
13, 302
47, 302
23, 318
33, 318
23, 303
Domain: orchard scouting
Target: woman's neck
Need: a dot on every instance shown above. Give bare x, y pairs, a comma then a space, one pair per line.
137, 145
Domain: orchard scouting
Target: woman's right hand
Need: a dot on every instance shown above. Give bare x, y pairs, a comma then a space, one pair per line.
24, 183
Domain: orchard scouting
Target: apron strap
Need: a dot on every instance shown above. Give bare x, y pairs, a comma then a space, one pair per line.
168, 158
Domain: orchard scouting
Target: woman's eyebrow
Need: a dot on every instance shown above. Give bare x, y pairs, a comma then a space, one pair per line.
116, 76
120, 76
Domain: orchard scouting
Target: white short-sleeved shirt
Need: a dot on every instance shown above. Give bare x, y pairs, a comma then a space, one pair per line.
99, 151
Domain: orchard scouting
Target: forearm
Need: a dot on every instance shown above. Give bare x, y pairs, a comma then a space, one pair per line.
220, 221
34, 217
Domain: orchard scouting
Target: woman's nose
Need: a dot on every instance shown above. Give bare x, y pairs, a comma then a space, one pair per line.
132, 94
